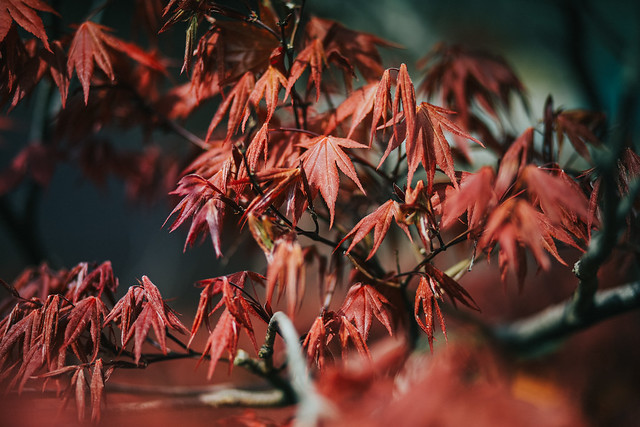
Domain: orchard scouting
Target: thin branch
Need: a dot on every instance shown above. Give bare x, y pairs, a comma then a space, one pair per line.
311, 406
226, 397
557, 322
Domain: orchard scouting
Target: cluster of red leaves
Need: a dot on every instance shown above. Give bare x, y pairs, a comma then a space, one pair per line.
57, 324
523, 206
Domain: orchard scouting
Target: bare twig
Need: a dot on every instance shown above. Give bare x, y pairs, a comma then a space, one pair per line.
225, 397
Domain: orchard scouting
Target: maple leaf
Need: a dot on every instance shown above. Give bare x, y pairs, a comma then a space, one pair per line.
349, 332
283, 185
139, 310
514, 161
267, 87
426, 142
348, 49
286, 268
23, 12
316, 342
232, 287
88, 313
516, 224
427, 300
319, 162
382, 102
357, 106
89, 46
362, 303
579, 127
464, 77
200, 201
223, 337
97, 390
379, 221
236, 102
476, 196
561, 201
312, 57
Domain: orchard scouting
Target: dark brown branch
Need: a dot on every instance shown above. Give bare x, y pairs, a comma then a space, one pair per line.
558, 322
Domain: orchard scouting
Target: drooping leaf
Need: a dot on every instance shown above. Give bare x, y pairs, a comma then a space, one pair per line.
312, 57
97, 390
287, 269
427, 144
379, 221
465, 77
580, 127
476, 197
268, 86
236, 102
321, 161
87, 315
23, 12
224, 337
426, 301
362, 303
89, 47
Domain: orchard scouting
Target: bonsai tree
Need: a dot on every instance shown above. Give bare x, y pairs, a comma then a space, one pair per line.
314, 148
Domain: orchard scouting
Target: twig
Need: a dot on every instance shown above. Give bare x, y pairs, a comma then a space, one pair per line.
226, 397
310, 404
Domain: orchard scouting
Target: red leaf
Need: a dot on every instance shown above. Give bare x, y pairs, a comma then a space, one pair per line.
316, 342
426, 142
348, 332
427, 300
89, 45
23, 13
514, 161
236, 102
362, 303
268, 87
87, 314
379, 221
224, 337
319, 162
475, 196
465, 77
97, 390
86, 48
312, 56
287, 269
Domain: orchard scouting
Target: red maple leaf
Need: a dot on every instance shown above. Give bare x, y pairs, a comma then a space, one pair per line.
23, 12
312, 57
476, 197
89, 46
432, 287
141, 309
319, 162
223, 337
579, 127
87, 314
379, 221
236, 102
464, 76
268, 86
287, 269
362, 303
